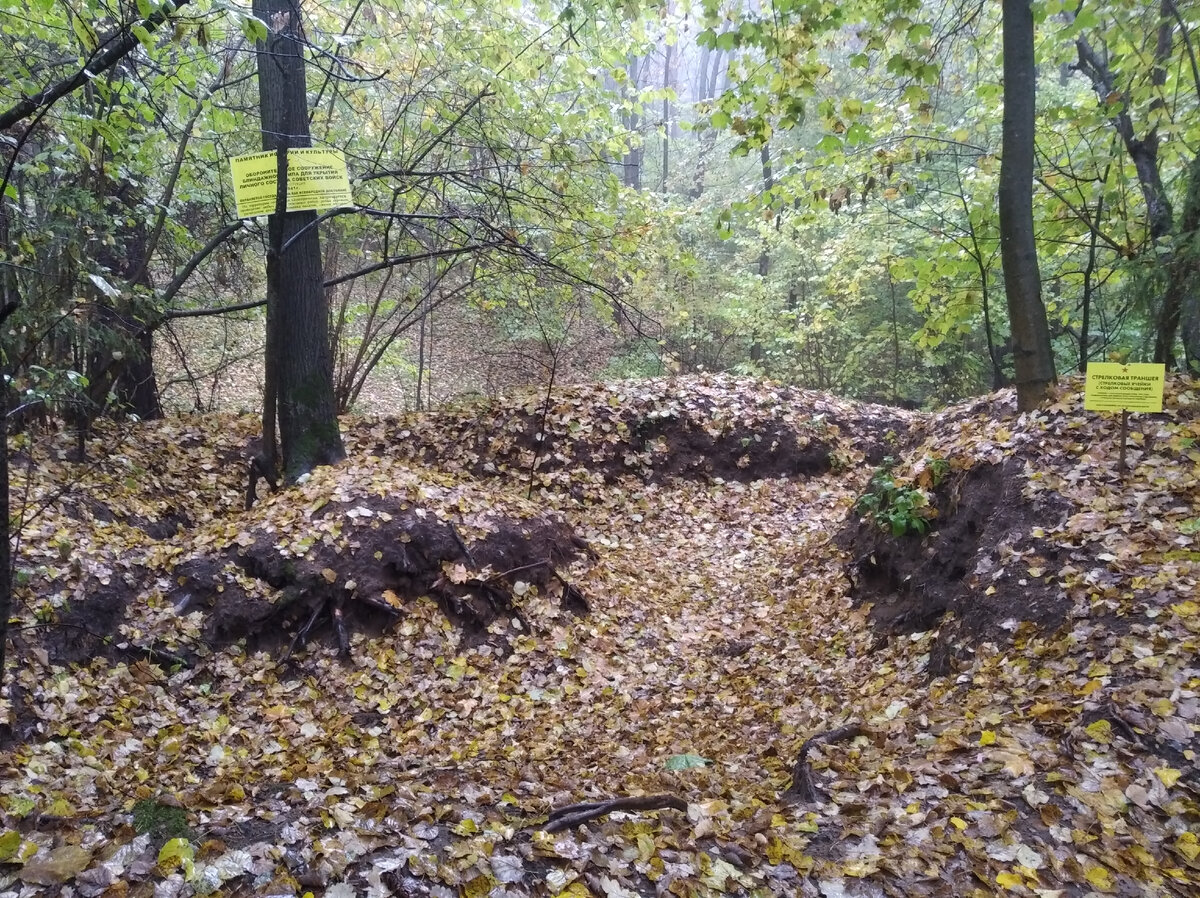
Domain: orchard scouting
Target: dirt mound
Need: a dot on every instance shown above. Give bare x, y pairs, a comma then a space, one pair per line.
688, 427
981, 559
359, 561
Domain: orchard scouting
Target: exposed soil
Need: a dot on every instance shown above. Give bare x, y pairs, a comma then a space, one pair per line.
256, 588
659, 434
653, 448
980, 562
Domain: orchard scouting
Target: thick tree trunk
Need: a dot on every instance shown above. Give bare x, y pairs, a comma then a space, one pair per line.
298, 337
1181, 301
1033, 357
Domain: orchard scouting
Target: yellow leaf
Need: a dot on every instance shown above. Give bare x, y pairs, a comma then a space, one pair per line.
1163, 707
959, 823
1188, 845
467, 827
1100, 878
987, 737
1186, 609
1010, 880
329, 574
175, 853
1168, 775
1042, 709
1101, 731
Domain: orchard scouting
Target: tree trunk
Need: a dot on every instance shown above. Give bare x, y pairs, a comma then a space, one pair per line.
9, 301
1033, 356
632, 163
123, 361
666, 118
1181, 304
1089, 271
298, 335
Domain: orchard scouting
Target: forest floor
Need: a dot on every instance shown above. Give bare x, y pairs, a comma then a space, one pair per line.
424, 671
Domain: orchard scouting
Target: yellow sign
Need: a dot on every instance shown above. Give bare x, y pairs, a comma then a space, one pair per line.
317, 179
1111, 387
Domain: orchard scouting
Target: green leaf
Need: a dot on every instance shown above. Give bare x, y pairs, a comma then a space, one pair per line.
830, 143
254, 29
918, 33
143, 35
144, 8
85, 33
858, 135
9, 843
686, 762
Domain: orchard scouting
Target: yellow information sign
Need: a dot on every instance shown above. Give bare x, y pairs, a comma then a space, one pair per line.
1112, 387
317, 179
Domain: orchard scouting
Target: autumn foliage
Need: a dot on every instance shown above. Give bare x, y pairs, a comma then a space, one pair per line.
656, 590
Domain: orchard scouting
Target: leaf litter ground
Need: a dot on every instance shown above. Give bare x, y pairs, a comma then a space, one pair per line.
1022, 681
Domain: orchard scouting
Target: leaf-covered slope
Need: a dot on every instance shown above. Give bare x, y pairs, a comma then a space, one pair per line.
721, 633
713, 426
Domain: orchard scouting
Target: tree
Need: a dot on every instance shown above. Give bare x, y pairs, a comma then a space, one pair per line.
1033, 355
33, 107
299, 364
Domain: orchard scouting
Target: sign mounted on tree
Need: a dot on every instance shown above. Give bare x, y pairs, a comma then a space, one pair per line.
317, 179
1112, 387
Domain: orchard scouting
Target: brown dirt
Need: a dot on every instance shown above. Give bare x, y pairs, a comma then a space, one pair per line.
399, 548
657, 430
977, 564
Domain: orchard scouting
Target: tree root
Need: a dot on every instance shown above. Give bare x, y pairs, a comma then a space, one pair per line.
575, 814
802, 785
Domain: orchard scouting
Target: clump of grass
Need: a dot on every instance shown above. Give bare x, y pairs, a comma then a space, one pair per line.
161, 821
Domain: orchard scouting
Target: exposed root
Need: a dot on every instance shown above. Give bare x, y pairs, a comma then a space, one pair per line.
802, 785
576, 814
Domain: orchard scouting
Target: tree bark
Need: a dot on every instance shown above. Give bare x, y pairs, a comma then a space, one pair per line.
1033, 356
1143, 151
298, 335
1181, 304
632, 164
666, 117
9, 302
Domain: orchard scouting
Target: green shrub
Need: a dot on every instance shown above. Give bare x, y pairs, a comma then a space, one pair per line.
900, 509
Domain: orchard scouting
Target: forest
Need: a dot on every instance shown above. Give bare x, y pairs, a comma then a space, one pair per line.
594, 448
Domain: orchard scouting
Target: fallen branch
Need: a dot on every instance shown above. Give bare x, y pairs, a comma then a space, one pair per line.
802, 785
575, 814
